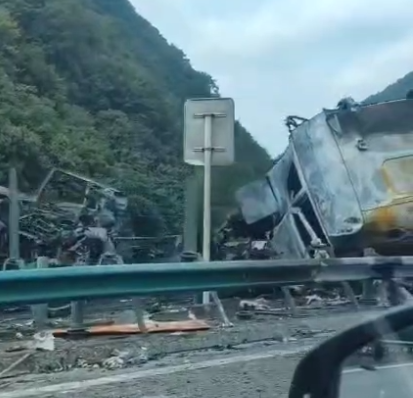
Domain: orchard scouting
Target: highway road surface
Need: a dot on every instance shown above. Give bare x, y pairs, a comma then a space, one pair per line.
254, 372
387, 381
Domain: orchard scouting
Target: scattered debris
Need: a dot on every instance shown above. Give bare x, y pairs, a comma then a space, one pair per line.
42, 341
121, 359
245, 315
151, 327
255, 305
15, 364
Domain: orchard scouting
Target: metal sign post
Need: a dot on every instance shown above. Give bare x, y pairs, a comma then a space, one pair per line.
208, 141
206, 236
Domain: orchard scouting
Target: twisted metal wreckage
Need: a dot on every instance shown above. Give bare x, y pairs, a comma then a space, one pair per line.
342, 188
71, 219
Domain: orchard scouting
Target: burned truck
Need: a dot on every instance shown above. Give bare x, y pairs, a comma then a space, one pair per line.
344, 185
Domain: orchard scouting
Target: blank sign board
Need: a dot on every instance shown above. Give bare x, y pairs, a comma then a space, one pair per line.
223, 114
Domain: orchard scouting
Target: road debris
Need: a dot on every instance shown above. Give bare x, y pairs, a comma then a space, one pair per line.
151, 327
42, 341
121, 359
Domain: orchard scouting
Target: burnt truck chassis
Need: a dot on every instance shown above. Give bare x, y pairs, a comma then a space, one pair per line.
342, 188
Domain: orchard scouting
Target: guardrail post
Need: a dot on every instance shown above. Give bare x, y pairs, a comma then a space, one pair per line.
138, 306
139, 314
221, 310
190, 256
77, 310
289, 300
349, 292
40, 311
369, 294
77, 316
382, 294
393, 293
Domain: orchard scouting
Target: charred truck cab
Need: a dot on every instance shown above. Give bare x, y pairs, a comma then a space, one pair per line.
344, 183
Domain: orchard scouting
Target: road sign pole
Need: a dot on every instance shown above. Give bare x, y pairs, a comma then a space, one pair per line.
209, 141
206, 236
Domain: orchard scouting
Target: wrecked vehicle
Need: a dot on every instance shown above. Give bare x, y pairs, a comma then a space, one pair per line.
70, 217
343, 185
149, 249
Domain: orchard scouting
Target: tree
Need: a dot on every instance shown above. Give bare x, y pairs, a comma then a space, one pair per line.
92, 87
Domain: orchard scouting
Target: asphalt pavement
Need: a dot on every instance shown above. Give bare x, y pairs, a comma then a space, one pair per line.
254, 372
257, 370
387, 381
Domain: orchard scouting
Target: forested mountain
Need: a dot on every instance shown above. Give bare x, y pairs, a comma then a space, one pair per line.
91, 86
395, 91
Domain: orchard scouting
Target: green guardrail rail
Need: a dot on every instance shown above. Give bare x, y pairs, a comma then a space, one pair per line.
83, 282
89, 282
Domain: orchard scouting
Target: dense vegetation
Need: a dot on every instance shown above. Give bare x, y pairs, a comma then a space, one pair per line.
90, 86
395, 91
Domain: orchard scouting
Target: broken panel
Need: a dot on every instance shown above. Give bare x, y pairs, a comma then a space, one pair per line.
257, 201
376, 143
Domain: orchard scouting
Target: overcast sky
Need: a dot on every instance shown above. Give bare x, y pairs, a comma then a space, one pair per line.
283, 57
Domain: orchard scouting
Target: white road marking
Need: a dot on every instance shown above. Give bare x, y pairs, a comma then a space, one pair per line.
383, 367
158, 396
140, 374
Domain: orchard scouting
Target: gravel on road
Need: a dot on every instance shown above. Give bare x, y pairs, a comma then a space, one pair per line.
256, 373
207, 365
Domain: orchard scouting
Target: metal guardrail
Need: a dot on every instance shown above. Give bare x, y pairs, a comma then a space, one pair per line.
363, 268
78, 283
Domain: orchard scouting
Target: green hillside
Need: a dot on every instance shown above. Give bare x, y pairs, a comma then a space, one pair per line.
395, 91
91, 86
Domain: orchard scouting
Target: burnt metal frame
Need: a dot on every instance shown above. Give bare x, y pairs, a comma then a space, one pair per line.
293, 202
307, 192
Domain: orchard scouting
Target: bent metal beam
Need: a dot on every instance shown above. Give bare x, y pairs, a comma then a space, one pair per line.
76, 283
